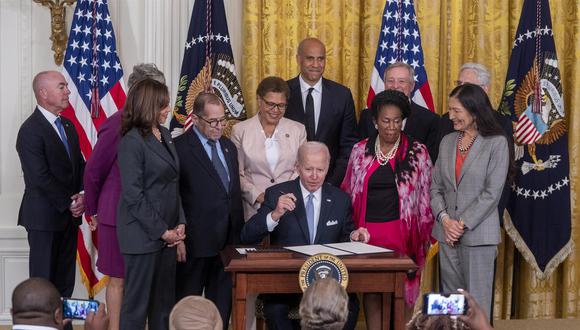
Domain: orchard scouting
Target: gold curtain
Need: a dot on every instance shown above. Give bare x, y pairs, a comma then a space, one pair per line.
452, 32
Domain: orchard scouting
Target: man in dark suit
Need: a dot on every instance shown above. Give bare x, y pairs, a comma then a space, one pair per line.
422, 123
325, 107
212, 202
478, 74
301, 212
50, 155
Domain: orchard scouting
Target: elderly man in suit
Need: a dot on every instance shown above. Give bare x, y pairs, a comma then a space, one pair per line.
50, 155
301, 212
422, 124
212, 201
325, 107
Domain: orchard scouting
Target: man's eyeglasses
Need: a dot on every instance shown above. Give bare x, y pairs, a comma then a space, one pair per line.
459, 83
272, 105
214, 122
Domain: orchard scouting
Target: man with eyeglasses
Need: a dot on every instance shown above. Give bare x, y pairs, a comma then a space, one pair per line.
477, 74
325, 107
212, 203
422, 124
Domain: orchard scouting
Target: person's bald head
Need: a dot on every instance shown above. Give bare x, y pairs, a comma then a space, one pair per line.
51, 91
311, 56
36, 302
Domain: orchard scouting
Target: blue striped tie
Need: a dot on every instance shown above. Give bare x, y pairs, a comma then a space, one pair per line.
63, 138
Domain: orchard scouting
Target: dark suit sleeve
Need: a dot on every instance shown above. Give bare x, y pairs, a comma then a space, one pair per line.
434, 138
256, 229
30, 147
132, 159
365, 123
98, 167
348, 225
348, 137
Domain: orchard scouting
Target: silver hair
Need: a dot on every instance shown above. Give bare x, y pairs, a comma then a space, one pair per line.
145, 70
481, 70
311, 147
401, 65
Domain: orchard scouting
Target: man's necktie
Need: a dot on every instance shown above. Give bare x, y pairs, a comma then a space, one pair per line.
218, 165
310, 215
62, 134
309, 112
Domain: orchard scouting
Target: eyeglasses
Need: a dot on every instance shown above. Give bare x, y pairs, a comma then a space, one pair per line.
272, 105
214, 122
459, 83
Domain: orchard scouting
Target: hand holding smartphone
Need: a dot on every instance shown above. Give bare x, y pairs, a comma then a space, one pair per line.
444, 304
78, 309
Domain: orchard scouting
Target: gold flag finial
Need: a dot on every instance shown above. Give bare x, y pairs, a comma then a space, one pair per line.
58, 32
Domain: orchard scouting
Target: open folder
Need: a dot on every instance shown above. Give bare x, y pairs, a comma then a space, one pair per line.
338, 249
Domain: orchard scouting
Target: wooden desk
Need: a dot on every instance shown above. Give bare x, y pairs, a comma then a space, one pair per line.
384, 273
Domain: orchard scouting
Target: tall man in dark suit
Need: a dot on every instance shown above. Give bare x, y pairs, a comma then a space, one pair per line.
212, 201
301, 212
422, 124
325, 107
50, 155
478, 74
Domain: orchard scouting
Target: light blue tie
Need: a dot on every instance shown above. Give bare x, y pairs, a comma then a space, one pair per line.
63, 138
310, 216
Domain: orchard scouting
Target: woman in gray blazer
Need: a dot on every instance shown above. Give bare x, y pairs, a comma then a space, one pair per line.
466, 187
150, 220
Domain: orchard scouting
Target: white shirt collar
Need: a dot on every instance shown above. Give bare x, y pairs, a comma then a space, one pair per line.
305, 192
47, 114
31, 327
304, 86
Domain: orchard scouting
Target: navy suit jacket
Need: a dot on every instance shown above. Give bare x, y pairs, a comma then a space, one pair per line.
51, 177
334, 225
214, 216
336, 124
422, 125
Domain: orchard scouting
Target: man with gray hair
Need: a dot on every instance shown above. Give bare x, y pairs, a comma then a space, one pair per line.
102, 184
303, 211
422, 124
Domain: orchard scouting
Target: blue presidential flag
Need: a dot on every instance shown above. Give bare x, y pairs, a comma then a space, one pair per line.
208, 65
540, 202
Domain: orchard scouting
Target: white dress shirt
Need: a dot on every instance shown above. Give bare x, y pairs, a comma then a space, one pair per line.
50, 117
31, 327
316, 97
316, 200
272, 149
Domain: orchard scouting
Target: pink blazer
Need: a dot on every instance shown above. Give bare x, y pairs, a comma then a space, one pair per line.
255, 173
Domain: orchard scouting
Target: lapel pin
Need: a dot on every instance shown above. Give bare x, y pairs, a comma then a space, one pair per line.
226, 150
328, 200
287, 135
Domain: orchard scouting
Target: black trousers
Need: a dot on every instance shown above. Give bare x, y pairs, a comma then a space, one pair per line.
277, 306
53, 255
149, 290
206, 276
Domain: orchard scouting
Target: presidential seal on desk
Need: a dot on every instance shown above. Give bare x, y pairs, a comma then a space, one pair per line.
322, 265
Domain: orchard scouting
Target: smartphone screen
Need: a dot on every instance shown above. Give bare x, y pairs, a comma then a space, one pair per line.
444, 304
78, 308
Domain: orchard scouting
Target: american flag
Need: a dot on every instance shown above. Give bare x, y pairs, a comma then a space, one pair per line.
400, 41
95, 78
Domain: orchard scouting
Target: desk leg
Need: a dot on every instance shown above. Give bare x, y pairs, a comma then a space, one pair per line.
239, 294
387, 300
400, 301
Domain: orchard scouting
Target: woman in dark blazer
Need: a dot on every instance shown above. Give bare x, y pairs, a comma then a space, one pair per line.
150, 220
466, 187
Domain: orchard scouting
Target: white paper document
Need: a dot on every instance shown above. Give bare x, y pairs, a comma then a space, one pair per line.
316, 249
358, 247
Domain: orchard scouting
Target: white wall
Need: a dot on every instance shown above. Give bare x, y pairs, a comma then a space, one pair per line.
146, 31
